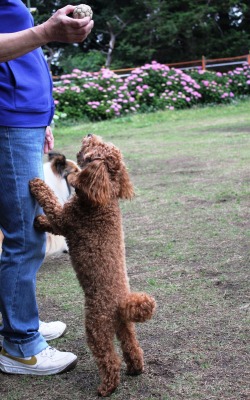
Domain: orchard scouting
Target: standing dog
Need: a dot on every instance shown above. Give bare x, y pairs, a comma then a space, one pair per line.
92, 224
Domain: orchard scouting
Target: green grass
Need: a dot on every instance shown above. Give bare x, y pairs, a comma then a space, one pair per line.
200, 124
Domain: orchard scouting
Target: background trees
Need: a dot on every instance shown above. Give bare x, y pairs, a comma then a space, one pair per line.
131, 32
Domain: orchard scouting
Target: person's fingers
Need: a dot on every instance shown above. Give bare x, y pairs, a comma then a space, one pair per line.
51, 144
49, 140
48, 132
66, 10
81, 33
48, 145
78, 23
45, 148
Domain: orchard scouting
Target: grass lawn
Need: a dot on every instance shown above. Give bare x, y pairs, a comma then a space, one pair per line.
187, 235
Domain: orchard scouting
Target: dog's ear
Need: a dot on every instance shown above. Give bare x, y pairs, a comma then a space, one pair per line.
93, 182
126, 187
72, 178
58, 163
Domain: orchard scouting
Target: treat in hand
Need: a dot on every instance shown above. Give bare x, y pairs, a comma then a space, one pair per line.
82, 11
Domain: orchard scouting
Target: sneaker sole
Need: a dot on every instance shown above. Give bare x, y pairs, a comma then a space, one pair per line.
20, 370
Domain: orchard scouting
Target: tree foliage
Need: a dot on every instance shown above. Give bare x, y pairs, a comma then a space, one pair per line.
132, 32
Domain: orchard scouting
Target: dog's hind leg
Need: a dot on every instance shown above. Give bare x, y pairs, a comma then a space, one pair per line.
132, 353
100, 338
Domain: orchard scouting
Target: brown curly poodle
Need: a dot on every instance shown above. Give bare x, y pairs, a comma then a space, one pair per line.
92, 224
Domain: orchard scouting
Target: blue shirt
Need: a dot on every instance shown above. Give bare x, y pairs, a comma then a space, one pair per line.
25, 83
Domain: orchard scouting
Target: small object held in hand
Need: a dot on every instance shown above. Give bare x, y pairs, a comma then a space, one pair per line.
82, 11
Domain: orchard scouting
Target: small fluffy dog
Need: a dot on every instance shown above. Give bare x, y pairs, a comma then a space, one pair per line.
92, 224
56, 170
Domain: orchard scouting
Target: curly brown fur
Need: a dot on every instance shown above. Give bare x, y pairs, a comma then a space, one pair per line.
92, 224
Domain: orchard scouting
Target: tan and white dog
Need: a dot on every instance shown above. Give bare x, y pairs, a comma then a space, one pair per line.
56, 170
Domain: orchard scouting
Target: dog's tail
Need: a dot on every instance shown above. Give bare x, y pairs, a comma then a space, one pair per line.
137, 307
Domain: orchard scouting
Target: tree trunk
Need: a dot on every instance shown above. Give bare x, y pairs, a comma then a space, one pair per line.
111, 46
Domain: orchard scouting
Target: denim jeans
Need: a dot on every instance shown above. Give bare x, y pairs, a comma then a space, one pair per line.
23, 250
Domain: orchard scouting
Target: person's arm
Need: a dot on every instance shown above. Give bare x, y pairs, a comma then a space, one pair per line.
58, 28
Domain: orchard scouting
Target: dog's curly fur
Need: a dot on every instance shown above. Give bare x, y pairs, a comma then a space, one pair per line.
91, 222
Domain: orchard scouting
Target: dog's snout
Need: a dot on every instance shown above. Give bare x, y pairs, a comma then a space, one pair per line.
89, 135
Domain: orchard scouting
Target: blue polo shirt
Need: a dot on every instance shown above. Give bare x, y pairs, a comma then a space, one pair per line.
25, 83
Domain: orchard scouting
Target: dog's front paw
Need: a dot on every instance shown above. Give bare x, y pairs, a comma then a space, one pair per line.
39, 222
35, 185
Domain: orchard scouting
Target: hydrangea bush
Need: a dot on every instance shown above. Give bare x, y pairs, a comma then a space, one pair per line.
104, 95
214, 87
239, 80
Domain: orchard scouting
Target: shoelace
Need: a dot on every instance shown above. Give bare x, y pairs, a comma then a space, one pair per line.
49, 351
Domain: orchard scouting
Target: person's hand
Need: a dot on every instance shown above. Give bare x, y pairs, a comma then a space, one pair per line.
62, 28
49, 140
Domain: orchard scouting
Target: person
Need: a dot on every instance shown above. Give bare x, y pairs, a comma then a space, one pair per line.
26, 111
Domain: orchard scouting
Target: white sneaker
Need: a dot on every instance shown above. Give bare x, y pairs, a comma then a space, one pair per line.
48, 362
52, 330
49, 330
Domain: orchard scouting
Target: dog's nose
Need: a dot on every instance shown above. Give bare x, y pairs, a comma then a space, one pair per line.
90, 135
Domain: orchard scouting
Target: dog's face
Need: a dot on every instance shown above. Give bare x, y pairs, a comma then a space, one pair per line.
103, 175
60, 165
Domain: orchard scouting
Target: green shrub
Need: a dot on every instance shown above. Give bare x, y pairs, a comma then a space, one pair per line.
103, 95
